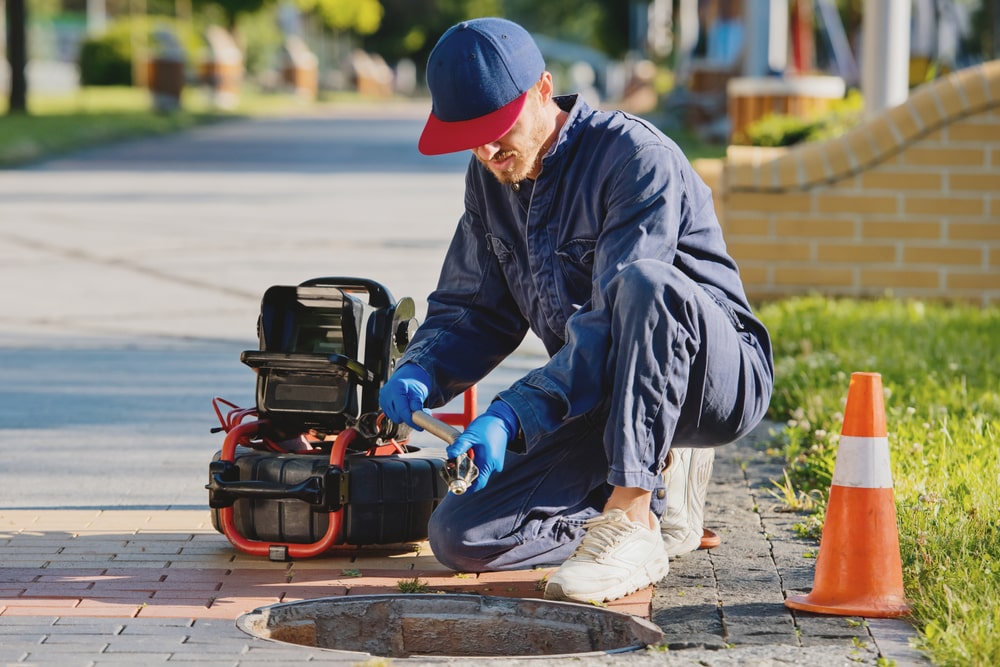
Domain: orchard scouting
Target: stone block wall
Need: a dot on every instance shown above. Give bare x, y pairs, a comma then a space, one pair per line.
907, 203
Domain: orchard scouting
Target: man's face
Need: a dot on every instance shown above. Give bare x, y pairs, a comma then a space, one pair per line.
517, 155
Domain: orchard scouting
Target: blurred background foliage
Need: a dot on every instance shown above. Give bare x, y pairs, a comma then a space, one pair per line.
601, 43
398, 29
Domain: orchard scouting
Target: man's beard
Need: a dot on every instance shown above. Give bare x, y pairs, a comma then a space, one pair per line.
516, 173
524, 160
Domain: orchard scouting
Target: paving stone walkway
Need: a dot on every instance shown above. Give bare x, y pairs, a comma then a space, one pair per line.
96, 587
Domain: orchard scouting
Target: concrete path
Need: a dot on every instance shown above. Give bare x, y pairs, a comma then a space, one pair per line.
131, 281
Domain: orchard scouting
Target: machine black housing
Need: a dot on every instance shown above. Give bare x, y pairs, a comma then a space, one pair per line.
326, 348
384, 499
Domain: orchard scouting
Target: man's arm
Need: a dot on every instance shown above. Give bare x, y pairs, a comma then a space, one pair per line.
472, 320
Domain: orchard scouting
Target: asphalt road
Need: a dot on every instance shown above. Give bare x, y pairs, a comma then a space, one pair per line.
132, 275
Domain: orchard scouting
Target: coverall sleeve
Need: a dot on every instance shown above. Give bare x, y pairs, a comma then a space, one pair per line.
473, 322
647, 204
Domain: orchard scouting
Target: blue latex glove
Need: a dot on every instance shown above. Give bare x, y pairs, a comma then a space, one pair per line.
487, 436
404, 393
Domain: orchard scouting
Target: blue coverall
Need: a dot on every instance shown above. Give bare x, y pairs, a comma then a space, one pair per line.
615, 259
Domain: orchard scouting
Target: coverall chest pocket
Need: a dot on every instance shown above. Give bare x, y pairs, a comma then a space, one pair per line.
499, 248
518, 284
576, 259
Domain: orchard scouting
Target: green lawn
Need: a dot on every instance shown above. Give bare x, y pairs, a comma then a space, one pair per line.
696, 149
940, 368
93, 116
56, 124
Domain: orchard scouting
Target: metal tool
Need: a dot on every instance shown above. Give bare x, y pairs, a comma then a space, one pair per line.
459, 472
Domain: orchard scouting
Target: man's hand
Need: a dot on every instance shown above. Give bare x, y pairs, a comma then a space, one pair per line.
487, 436
404, 393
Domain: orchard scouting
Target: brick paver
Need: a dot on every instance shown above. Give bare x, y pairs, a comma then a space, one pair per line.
129, 586
173, 564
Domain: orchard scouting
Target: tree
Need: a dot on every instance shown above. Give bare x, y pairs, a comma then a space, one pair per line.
233, 9
599, 24
359, 16
17, 56
410, 28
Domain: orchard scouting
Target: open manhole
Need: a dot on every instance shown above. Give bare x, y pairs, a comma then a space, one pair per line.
401, 626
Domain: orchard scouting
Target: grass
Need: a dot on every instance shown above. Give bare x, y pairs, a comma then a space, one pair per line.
92, 116
940, 367
415, 585
98, 115
695, 148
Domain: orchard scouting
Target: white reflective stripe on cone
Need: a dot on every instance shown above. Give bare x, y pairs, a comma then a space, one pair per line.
863, 463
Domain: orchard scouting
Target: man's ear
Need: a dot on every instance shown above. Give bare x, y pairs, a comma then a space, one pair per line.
545, 88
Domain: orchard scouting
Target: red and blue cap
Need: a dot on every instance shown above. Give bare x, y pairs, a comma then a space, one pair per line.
479, 74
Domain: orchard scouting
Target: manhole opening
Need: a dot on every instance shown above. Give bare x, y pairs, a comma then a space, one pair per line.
401, 626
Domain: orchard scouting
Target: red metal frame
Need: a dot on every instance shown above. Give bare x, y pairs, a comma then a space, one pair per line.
242, 435
468, 413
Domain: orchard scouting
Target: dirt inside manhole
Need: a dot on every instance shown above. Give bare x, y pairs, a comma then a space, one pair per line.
401, 626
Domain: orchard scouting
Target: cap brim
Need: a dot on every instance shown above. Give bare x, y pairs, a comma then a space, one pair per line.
441, 137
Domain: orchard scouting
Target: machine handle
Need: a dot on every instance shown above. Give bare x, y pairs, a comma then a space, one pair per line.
378, 295
224, 488
435, 426
459, 472
308, 491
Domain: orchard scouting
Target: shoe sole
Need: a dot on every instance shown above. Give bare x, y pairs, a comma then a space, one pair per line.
654, 571
708, 539
690, 543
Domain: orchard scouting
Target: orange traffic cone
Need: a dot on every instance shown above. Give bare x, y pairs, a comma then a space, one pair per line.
858, 570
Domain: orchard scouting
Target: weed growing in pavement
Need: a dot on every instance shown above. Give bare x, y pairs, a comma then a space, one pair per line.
795, 500
415, 585
811, 527
939, 366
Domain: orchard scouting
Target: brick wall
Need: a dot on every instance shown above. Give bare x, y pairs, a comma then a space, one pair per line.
907, 203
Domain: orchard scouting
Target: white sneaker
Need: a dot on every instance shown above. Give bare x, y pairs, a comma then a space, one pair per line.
616, 558
686, 477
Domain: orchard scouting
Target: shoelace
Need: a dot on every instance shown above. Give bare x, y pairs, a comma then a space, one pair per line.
603, 533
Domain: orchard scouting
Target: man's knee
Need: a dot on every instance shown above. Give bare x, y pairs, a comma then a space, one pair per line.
448, 537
